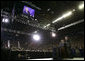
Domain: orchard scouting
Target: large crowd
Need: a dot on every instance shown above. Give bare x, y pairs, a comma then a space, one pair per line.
66, 48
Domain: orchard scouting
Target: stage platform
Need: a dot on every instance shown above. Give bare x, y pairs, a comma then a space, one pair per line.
62, 59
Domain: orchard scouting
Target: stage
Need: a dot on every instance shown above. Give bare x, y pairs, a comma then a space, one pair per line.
63, 59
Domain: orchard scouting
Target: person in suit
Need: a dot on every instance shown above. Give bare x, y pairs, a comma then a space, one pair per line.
62, 53
26, 11
67, 45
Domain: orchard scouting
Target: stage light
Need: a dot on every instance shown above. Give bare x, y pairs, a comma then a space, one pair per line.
44, 26
57, 19
36, 37
69, 25
81, 6
48, 25
5, 20
67, 14
53, 34
63, 16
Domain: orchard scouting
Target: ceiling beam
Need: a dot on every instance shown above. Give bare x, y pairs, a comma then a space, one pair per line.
69, 25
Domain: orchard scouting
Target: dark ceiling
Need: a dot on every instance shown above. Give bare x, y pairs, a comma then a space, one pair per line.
57, 8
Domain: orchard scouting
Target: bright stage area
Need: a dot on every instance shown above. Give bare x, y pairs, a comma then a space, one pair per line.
63, 59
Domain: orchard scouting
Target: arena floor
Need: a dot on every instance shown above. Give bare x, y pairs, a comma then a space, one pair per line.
63, 59
74, 59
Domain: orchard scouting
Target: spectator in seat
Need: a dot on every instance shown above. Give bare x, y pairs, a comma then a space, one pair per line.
81, 51
73, 53
62, 52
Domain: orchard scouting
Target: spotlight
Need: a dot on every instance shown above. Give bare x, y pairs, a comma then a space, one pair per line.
81, 6
5, 20
53, 34
67, 14
63, 16
36, 37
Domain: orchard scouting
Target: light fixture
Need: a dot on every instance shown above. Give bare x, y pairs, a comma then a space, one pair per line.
81, 6
57, 19
36, 37
53, 34
69, 25
67, 14
44, 26
5, 20
63, 16
48, 25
